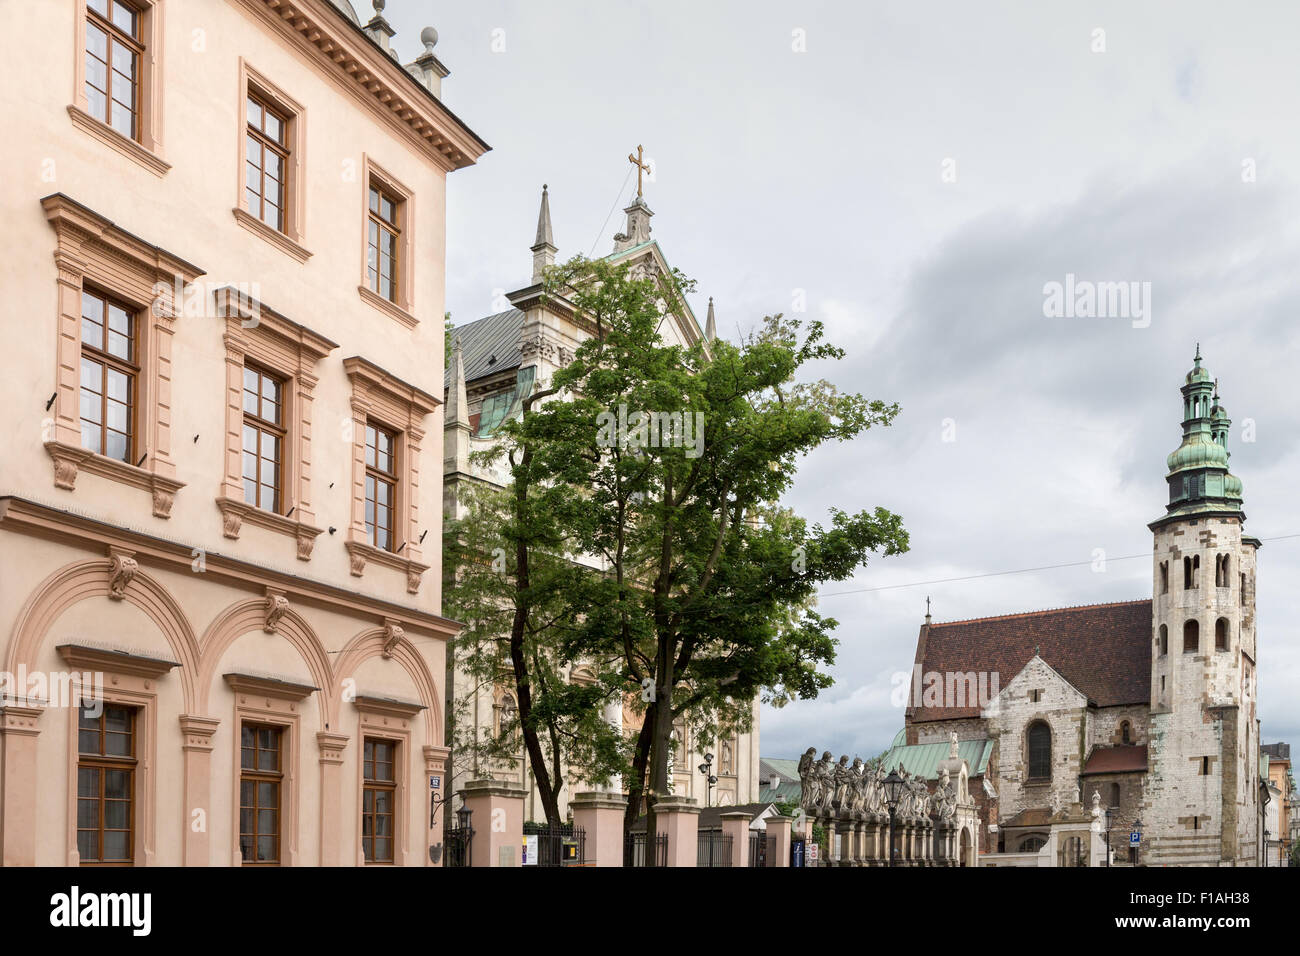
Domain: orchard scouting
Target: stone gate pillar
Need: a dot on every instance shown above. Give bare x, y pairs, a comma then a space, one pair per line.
600, 815
498, 819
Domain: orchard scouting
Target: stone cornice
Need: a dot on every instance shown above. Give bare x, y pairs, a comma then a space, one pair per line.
234, 305
323, 35
268, 687
85, 657
30, 517
384, 382
387, 707
69, 217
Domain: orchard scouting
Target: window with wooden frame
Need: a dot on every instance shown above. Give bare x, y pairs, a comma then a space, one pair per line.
378, 799
387, 246
381, 487
266, 162
383, 242
261, 778
106, 766
109, 370
114, 51
117, 86
263, 439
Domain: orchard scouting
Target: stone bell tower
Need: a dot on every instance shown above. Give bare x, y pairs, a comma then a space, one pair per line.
1200, 802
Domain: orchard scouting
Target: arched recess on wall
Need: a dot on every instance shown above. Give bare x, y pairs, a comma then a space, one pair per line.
86, 580
370, 643
237, 620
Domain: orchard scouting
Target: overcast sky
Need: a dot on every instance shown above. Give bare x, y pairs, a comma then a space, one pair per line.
1167, 158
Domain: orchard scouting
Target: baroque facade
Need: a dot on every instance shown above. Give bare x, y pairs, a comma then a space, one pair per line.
1144, 711
220, 604
495, 361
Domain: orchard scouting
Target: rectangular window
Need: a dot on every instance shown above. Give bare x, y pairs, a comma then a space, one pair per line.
266, 163
106, 786
114, 50
381, 486
1205, 766
109, 369
383, 242
260, 780
263, 439
378, 800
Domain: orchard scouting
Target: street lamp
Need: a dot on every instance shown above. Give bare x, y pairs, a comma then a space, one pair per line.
706, 769
894, 786
1109, 817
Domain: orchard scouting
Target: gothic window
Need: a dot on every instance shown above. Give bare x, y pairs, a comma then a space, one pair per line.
1164, 577
1221, 634
1113, 796
1040, 751
1126, 732
1191, 637
1164, 640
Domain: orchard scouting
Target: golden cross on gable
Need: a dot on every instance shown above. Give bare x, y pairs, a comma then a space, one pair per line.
640, 167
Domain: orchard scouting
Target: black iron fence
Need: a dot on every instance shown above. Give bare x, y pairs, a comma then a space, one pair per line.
634, 849
713, 848
758, 847
457, 842
562, 845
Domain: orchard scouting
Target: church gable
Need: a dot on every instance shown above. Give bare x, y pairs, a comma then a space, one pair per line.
1039, 688
1103, 650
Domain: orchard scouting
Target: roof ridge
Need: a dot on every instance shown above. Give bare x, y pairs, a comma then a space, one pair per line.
1048, 610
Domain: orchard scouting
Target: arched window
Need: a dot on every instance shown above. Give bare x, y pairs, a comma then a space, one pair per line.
1164, 640
1191, 637
1164, 577
1191, 572
1126, 732
1112, 797
1040, 751
1221, 634
1032, 844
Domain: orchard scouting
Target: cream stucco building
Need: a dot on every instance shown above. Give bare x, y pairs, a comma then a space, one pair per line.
223, 264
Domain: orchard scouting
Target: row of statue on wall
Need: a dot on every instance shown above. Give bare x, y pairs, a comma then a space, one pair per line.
831, 789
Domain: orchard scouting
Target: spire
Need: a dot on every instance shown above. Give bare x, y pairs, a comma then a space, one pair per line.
927, 609
456, 413
544, 247
710, 324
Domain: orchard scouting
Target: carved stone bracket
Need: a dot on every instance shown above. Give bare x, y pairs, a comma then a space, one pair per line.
277, 605
121, 569
393, 633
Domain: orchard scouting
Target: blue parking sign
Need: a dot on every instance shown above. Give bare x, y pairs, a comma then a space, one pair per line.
1135, 838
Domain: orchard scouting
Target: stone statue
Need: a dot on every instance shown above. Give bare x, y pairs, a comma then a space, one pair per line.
825, 773
842, 782
952, 746
857, 787
945, 797
807, 780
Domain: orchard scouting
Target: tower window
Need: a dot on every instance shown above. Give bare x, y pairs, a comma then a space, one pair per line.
1125, 735
1164, 640
1221, 634
1191, 572
1205, 766
1113, 799
1221, 572
1164, 577
1191, 637
1243, 589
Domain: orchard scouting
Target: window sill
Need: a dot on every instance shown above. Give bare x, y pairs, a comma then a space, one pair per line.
71, 459
111, 137
359, 553
234, 513
388, 308
274, 236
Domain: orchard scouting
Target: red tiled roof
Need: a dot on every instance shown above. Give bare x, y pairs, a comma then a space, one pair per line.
1104, 650
1121, 759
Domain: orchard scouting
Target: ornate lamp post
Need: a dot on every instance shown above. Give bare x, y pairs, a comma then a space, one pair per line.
1109, 817
706, 769
894, 786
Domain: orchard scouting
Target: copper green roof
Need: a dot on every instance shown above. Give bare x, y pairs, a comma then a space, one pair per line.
924, 759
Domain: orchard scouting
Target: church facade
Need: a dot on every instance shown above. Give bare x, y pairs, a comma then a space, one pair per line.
495, 361
1132, 716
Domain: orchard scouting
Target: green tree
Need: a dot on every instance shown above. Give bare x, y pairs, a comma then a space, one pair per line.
666, 464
